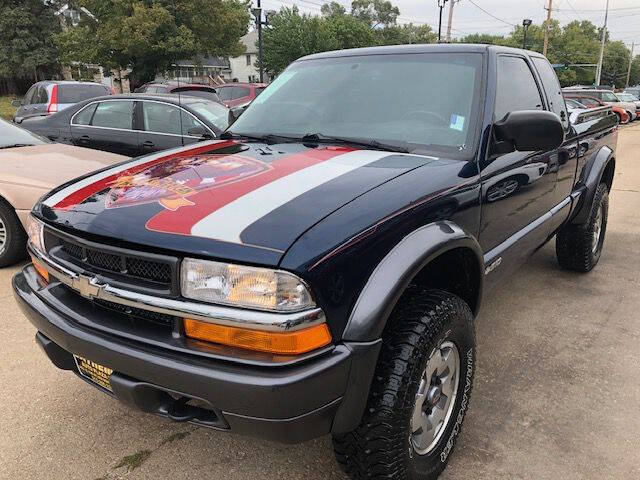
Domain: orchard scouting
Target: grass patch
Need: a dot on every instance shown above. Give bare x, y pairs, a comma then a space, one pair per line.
6, 109
176, 436
131, 462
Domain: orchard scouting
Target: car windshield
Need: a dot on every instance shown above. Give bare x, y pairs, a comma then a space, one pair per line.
609, 97
14, 136
627, 97
425, 101
573, 104
214, 113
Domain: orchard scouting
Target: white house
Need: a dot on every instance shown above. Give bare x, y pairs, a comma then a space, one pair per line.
243, 67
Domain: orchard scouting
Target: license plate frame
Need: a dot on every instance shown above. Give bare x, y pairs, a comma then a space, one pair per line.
95, 373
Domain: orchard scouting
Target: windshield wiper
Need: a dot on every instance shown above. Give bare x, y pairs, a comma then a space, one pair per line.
363, 142
15, 145
269, 138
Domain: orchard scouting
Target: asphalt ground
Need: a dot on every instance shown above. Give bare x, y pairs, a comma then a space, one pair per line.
556, 395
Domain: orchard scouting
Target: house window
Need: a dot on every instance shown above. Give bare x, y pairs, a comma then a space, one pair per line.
248, 57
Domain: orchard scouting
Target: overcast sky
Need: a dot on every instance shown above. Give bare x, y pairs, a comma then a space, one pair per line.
624, 15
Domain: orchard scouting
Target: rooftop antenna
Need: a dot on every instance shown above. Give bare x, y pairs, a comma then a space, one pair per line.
180, 105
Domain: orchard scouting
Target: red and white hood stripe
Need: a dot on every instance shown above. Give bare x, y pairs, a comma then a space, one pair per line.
223, 191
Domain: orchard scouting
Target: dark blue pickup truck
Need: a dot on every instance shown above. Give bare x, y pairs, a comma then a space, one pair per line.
319, 267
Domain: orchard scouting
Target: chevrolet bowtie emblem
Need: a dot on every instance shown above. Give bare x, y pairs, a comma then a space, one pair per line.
87, 286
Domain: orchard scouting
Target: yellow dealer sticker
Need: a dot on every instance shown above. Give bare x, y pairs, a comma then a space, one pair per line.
95, 372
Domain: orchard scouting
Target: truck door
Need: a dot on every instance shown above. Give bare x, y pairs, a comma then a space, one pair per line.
569, 152
517, 187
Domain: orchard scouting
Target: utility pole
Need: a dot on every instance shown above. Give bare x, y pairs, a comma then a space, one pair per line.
546, 29
604, 37
451, 4
626, 84
440, 6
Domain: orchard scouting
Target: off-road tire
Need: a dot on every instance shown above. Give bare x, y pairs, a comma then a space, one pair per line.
14, 248
380, 446
574, 247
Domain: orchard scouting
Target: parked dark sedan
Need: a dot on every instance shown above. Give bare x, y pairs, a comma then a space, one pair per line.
134, 124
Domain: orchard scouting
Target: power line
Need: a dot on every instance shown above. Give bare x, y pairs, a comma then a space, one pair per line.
602, 10
491, 14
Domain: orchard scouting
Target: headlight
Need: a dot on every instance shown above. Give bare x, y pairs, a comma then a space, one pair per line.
35, 232
241, 286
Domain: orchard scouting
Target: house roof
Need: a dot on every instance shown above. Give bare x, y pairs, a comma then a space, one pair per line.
249, 41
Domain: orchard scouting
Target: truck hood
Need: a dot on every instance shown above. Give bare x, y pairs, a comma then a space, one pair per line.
223, 199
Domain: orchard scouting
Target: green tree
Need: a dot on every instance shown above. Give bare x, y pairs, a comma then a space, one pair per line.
292, 35
375, 12
634, 78
148, 36
332, 9
27, 49
487, 39
615, 64
405, 34
350, 32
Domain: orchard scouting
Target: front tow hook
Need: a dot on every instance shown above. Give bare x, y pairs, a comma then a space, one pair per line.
179, 411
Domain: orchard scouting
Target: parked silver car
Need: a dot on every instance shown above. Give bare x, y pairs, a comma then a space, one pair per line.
48, 97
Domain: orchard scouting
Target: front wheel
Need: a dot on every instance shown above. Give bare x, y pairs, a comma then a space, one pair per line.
13, 238
420, 391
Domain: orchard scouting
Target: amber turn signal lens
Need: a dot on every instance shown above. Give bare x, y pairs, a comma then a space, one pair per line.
286, 343
44, 274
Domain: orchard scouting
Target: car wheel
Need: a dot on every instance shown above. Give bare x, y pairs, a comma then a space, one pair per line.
420, 391
578, 247
13, 238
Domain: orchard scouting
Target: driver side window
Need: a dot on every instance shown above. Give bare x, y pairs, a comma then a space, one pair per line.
517, 88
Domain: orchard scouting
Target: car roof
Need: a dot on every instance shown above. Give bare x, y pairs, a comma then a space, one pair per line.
586, 90
165, 97
242, 84
178, 85
70, 82
420, 48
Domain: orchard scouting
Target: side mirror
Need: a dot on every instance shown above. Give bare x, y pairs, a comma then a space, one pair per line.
16, 103
200, 131
235, 113
529, 131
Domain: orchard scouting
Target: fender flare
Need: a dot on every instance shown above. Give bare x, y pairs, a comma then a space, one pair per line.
592, 179
396, 270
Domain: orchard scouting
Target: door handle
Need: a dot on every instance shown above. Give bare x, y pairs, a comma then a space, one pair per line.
148, 145
84, 139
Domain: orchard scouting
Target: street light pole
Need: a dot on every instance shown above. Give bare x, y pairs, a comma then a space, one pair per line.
441, 4
526, 23
257, 12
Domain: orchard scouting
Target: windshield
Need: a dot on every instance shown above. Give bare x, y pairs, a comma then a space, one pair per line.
573, 104
627, 97
215, 113
12, 135
423, 100
609, 97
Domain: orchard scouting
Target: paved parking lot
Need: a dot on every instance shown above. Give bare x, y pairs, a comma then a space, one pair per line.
557, 390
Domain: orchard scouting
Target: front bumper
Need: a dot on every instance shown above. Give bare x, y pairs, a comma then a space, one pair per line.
289, 403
